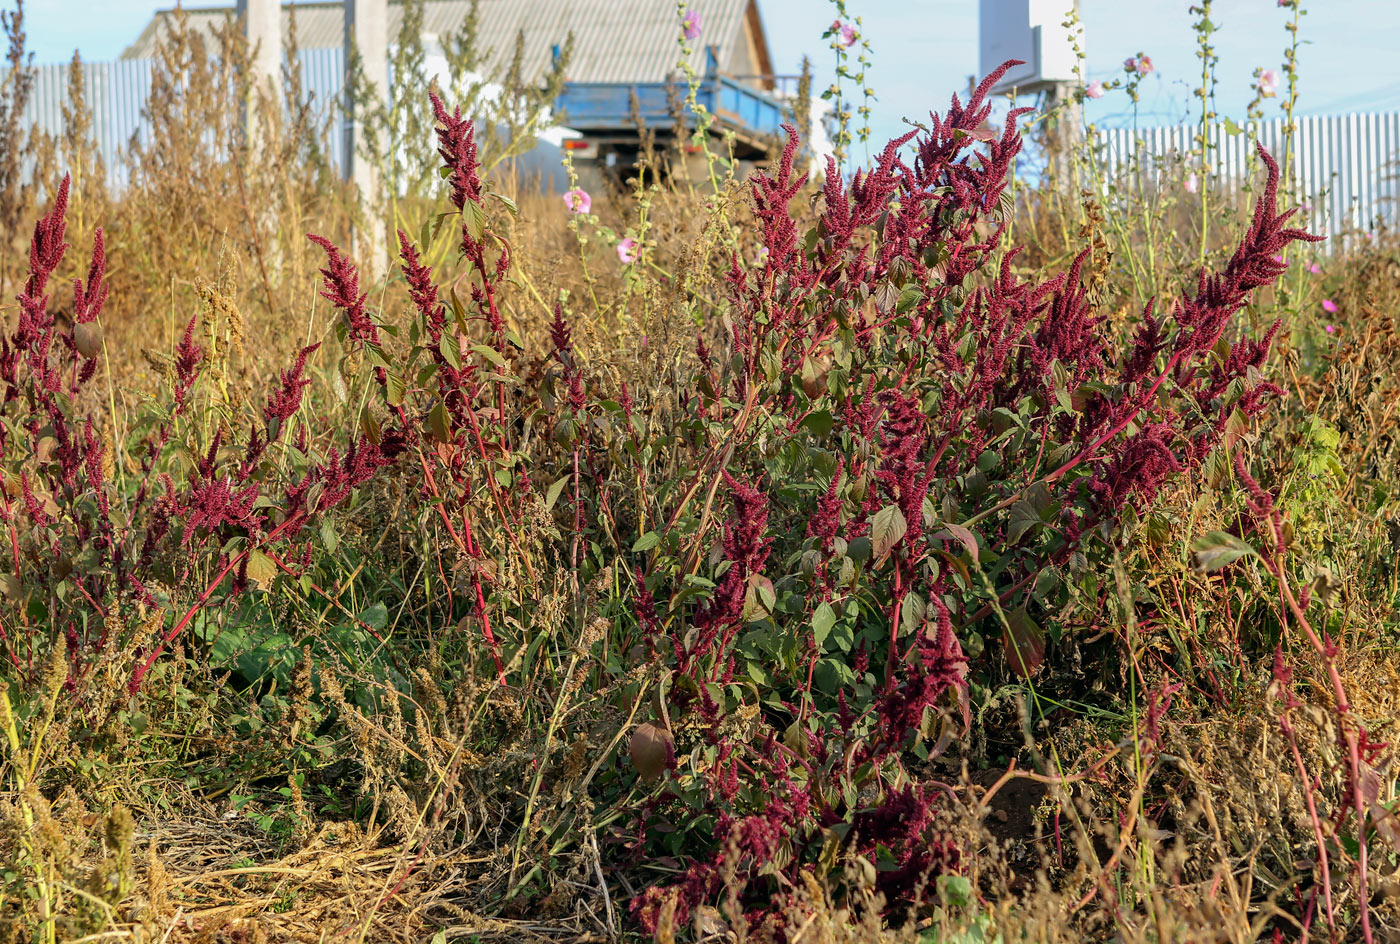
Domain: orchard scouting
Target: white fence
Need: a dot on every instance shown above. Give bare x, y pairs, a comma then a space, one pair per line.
117, 95
1345, 167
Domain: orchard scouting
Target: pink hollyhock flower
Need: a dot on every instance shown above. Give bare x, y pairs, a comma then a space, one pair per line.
1193, 183
1330, 329
627, 250
1329, 306
691, 25
1315, 269
1268, 83
1130, 64
1094, 90
578, 200
1144, 65
847, 37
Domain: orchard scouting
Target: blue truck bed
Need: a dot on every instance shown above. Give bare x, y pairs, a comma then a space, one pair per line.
594, 107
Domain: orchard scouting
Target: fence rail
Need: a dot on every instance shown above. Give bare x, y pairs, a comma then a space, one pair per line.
117, 94
1346, 168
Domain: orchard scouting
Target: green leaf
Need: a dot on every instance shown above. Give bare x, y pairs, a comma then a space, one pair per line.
887, 529
1023, 518
646, 542
1218, 549
955, 890
375, 616
261, 570
956, 531
1236, 427
822, 621
438, 423
820, 423
1025, 643
490, 353
447, 347
474, 218
329, 538
1232, 129
552, 495
885, 297
508, 202
394, 388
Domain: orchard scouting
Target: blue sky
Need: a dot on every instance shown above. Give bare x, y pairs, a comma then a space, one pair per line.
926, 49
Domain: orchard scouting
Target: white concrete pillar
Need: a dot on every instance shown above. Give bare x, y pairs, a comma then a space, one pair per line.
262, 25
367, 33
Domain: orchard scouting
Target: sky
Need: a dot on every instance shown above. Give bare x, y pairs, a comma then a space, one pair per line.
925, 50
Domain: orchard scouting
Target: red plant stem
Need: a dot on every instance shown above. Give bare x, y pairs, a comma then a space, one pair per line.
486, 630
578, 523
474, 550
1311, 801
495, 492
442, 512
14, 533
179, 627
1353, 747
9, 649
1262, 504
298, 519
892, 655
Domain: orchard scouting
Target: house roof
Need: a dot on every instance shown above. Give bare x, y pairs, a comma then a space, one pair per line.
614, 40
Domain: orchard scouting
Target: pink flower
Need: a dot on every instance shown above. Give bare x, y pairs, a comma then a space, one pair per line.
1330, 329
1144, 65
1285, 3
846, 33
1130, 64
627, 250
691, 25
760, 258
1193, 183
578, 200
1094, 90
1315, 269
1279, 260
1268, 83
1329, 306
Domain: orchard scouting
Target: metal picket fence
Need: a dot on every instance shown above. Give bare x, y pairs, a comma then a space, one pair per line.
1346, 168
117, 94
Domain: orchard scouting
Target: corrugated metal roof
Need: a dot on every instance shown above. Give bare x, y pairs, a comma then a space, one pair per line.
614, 40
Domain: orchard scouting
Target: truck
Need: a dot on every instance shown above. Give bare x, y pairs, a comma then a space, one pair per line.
608, 116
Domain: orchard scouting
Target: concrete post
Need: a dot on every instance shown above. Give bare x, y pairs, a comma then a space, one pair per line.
1066, 135
367, 35
262, 26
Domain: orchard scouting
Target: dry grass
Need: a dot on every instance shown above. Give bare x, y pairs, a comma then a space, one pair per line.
431, 805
